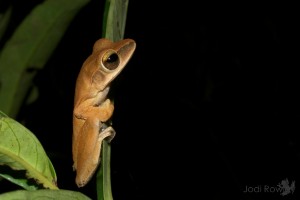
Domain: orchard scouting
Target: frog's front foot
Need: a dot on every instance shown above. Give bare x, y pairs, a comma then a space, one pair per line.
106, 132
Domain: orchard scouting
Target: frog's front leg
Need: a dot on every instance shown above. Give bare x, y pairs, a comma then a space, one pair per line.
90, 140
102, 112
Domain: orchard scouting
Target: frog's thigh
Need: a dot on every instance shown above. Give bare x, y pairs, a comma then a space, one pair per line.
89, 147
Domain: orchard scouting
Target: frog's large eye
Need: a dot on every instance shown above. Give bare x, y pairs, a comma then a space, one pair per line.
111, 60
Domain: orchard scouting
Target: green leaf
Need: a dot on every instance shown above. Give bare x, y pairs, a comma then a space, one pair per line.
44, 194
114, 19
103, 175
21, 150
114, 22
18, 179
33, 95
4, 19
30, 47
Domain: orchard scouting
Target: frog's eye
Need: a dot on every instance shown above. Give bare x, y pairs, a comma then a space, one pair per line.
110, 60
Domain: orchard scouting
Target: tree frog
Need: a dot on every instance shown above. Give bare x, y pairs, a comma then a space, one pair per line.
92, 108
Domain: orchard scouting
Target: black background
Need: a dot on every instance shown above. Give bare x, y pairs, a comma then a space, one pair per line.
207, 105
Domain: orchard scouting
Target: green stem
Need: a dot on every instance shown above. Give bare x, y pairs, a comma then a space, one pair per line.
103, 175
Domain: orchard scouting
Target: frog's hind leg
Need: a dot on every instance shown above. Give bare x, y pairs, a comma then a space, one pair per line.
89, 148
